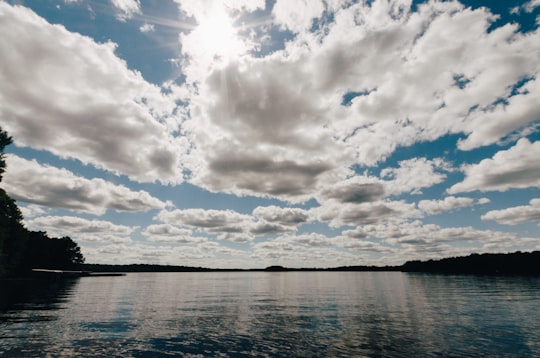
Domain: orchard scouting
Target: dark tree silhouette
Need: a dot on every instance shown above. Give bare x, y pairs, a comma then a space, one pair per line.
52, 253
13, 235
20, 249
5, 140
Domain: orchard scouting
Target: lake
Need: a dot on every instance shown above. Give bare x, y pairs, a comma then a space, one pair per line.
272, 314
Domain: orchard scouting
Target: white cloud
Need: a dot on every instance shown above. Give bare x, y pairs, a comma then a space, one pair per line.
419, 76
297, 15
282, 216
32, 210
80, 229
281, 122
31, 182
170, 233
415, 239
309, 250
200, 8
75, 98
516, 215
414, 175
516, 167
338, 214
126, 8
230, 224
529, 6
434, 207
147, 28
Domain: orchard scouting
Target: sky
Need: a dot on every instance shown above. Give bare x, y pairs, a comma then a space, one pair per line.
249, 133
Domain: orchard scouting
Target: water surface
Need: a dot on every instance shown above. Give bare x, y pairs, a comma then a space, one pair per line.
272, 314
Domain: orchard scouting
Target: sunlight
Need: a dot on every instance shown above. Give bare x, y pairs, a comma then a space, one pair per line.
216, 35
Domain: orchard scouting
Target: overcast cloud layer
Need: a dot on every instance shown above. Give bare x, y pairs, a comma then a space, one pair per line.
301, 133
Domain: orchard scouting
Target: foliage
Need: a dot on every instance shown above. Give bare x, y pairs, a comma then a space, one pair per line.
519, 263
13, 235
51, 253
20, 249
5, 140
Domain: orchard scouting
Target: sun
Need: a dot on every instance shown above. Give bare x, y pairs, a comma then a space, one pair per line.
216, 35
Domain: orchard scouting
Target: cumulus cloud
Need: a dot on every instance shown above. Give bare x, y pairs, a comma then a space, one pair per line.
279, 119
516, 167
233, 226
31, 182
414, 175
516, 215
338, 214
409, 76
170, 233
297, 15
75, 98
529, 6
307, 251
434, 207
147, 28
357, 190
126, 9
80, 229
282, 216
415, 238
229, 224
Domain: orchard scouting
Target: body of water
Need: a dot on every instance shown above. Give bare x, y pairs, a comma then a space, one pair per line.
272, 314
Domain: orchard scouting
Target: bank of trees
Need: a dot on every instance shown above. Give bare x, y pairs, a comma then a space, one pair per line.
21, 249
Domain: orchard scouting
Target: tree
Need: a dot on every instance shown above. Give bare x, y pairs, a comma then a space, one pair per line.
12, 231
51, 253
22, 250
5, 140
13, 235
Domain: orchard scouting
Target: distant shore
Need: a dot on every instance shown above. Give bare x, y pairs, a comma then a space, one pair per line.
517, 263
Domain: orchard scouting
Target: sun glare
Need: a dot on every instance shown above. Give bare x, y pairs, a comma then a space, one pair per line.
217, 35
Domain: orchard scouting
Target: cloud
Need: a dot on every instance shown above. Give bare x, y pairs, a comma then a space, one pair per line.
410, 77
406, 67
231, 225
415, 174
147, 28
306, 251
31, 210
516, 167
31, 182
80, 229
200, 9
282, 216
339, 214
357, 190
279, 119
75, 98
267, 228
516, 215
434, 207
532, 5
170, 233
126, 9
529, 6
297, 15
204, 254
415, 238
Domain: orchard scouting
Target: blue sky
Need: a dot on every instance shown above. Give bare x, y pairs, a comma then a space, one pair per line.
249, 133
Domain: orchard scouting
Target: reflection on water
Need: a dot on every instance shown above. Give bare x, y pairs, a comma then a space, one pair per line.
269, 314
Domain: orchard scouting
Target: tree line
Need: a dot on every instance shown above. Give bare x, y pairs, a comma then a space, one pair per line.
21, 249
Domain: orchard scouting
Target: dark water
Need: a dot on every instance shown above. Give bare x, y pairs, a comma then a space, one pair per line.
274, 314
